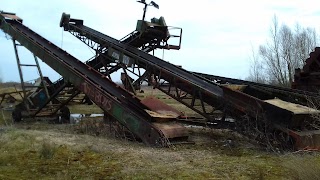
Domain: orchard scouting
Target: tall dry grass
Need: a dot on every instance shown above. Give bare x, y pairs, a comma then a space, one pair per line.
303, 167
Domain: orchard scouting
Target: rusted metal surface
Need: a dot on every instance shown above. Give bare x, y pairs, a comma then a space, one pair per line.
265, 91
294, 108
153, 35
301, 115
308, 78
198, 93
160, 107
306, 140
37, 103
172, 130
303, 140
11, 16
127, 82
157, 117
113, 99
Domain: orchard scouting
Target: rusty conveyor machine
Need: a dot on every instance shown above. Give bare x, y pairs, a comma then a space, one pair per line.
114, 100
266, 91
190, 89
308, 78
45, 99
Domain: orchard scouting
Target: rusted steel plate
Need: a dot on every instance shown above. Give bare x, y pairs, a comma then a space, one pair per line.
160, 107
294, 108
172, 129
235, 87
160, 117
11, 16
306, 140
299, 114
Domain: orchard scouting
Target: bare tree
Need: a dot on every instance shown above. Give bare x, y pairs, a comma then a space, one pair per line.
305, 41
284, 51
257, 72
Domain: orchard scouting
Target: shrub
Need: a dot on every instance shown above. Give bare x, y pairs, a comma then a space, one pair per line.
47, 150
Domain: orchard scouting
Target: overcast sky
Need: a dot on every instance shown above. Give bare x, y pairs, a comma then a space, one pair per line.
218, 35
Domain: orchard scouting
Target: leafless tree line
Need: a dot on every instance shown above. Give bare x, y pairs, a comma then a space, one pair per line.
285, 50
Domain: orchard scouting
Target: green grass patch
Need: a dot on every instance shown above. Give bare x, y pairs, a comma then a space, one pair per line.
29, 154
85, 109
57, 152
26, 156
306, 166
5, 118
7, 89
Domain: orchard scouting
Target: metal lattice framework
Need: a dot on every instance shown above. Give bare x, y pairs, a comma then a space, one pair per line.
197, 92
114, 100
195, 98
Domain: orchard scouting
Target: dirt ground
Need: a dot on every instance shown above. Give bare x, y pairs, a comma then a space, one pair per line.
39, 150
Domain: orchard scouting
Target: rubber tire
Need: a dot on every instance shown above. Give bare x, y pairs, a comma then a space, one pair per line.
16, 115
65, 114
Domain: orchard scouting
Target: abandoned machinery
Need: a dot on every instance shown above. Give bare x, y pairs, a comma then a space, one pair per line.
281, 112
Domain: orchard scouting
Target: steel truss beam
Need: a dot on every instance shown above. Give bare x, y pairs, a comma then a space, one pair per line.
116, 101
193, 97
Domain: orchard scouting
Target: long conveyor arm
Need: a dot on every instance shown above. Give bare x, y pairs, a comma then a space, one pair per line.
265, 115
213, 94
290, 95
113, 99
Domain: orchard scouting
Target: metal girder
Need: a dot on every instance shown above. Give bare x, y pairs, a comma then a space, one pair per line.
64, 103
54, 95
113, 99
208, 100
265, 91
91, 38
236, 103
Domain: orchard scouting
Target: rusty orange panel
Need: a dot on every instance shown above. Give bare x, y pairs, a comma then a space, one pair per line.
160, 107
11, 16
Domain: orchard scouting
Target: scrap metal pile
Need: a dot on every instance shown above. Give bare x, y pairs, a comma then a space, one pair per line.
265, 112
308, 78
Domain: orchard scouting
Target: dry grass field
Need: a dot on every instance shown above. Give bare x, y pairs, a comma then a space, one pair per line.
39, 150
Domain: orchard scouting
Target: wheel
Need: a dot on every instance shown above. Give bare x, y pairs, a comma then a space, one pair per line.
17, 115
87, 100
65, 114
